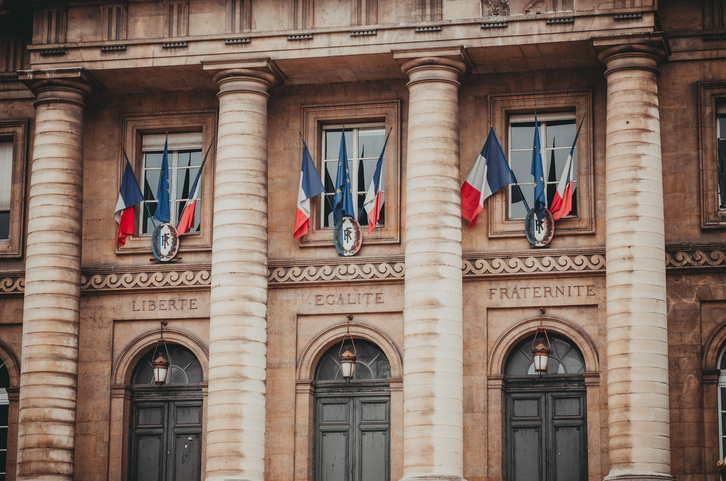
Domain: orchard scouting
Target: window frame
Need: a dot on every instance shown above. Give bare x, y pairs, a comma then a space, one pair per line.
543, 121
318, 118
721, 384
15, 131
710, 96
175, 205
134, 127
577, 103
352, 163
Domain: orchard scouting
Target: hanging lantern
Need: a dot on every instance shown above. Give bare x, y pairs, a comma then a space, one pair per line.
347, 358
160, 362
161, 369
540, 350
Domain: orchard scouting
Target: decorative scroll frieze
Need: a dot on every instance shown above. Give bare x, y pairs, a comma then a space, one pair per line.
340, 272
540, 264
696, 258
384, 269
143, 280
13, 283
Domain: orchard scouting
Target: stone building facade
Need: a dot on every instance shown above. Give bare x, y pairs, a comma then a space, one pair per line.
631, 289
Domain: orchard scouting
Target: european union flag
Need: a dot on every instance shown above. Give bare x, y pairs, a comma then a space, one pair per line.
343, 201
162, 213
538, 173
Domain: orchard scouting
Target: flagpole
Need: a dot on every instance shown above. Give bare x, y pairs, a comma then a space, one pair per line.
145, 205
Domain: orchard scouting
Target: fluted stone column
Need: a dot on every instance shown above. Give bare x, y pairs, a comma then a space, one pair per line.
433, 345
49, 366
637, 350
238, 303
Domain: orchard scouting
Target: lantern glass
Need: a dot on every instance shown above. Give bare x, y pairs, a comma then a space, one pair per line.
347, 364
541, 360
161, 369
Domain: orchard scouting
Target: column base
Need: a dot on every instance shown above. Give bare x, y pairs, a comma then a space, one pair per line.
639, 477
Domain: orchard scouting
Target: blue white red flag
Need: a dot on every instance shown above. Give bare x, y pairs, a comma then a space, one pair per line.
163, 191
186, 221
129, 195
562, 201
489, 174
310, 186
343, 201
372, 202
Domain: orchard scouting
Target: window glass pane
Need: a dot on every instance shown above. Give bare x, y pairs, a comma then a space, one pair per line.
332, 144
560, 132
6, 184
522, 136
721, 168
370, 143
565, 358
521, 163
152, 160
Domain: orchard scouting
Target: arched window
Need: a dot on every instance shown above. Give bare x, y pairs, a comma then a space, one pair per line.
371, 364
184, 368
4, 406
722, 405
565, 358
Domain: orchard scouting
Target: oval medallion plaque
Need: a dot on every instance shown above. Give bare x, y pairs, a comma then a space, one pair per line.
539, 232
165, 242
347, 236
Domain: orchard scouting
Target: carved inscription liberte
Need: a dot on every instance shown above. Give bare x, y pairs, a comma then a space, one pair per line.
541, 292
165, 305
364, 298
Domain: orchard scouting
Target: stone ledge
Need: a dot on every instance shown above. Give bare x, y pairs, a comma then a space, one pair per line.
282, 273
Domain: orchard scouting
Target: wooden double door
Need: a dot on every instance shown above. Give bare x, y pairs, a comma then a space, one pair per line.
166, 434
352, 433
546, 429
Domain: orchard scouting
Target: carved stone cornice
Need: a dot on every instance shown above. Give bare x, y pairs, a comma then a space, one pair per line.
693, 258
591, 261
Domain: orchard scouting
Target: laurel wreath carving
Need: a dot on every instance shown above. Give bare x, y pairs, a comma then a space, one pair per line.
478, 266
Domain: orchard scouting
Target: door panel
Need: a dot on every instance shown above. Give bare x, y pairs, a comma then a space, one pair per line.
352, 435
334, 456
166, 437
546, 431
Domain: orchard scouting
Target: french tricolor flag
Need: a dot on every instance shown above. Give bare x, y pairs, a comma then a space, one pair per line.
310, 186
562, 201
372, 203
129, 195
186, 221
489, 174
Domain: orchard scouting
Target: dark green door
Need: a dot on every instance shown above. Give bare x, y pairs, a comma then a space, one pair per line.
353, 421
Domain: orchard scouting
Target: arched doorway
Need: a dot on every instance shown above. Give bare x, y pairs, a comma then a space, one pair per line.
546, 416
352, 421
165, 433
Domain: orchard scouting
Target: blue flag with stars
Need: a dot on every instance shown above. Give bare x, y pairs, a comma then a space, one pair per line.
162, 213
343, 201
538, 173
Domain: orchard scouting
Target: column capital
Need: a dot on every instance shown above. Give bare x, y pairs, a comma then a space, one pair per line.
70, 85
638, 51
260, 70
445, 64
